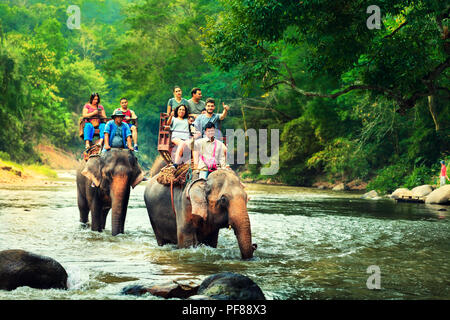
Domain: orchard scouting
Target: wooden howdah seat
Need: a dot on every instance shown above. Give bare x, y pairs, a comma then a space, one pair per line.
165, 145
96, 129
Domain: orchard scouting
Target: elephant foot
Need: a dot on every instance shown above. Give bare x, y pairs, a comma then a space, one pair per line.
84, 225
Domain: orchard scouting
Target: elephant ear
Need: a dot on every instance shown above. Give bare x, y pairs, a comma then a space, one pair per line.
92, 171
138, 179
197, 197
138, 174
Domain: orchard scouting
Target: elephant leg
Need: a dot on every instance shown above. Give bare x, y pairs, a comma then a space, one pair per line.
96, 214
83, 206
186, 239
104, 216
211, 239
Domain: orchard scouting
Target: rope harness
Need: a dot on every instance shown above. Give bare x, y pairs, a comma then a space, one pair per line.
93, 151
169, 176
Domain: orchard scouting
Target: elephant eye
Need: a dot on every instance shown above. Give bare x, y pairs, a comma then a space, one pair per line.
223, 200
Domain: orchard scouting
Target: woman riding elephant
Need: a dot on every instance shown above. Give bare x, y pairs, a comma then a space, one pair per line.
201, 210
103, 183
93, 112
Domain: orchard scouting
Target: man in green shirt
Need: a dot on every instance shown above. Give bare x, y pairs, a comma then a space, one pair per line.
196, 105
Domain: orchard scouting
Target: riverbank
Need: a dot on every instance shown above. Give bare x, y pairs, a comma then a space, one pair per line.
320, 183
53, 159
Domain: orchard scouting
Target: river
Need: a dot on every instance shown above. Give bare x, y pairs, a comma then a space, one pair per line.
312, 244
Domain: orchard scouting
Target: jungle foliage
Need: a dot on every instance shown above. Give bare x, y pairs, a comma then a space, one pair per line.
350, 102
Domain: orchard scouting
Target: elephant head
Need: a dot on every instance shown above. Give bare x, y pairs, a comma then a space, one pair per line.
113, 173
224, 201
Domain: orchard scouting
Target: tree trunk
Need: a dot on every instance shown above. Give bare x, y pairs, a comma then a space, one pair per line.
431, 107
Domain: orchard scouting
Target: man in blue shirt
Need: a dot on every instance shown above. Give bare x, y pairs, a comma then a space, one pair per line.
117, 133
202, 120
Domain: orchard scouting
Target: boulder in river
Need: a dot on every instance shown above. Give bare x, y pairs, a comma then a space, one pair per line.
230, 286
20, 268
200, 297
370, 195
439, 196
165, 290
422, 191
401, 192
340, 187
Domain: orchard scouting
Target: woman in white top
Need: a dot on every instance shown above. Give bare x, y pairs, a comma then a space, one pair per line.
179, 126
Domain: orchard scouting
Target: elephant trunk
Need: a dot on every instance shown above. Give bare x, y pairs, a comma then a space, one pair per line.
120, 193
240, 222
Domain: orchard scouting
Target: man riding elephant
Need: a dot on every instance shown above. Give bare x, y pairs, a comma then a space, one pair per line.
117, 133
209, 153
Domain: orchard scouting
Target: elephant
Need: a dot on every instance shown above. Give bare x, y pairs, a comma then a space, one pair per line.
201, 209
103, 183
20, 268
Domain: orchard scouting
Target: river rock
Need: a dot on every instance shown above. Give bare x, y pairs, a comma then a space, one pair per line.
230, 286
199, 297
340, 187
165, 290
20, 268
422, 191
439, 196
401, 192
372, 194
135, 290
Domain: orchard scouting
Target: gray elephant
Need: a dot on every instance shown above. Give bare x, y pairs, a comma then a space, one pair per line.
103, 183
202, 208
20, 268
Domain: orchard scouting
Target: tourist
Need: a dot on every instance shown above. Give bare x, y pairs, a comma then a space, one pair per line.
94, 113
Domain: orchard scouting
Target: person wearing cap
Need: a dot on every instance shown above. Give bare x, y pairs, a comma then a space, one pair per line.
117, 133
443, 174
129, 115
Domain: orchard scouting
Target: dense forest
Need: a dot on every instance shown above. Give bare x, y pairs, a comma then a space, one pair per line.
352, 103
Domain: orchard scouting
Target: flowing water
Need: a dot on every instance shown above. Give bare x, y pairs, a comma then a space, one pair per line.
312, 244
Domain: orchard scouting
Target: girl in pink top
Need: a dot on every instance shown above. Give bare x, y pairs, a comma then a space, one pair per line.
94, 111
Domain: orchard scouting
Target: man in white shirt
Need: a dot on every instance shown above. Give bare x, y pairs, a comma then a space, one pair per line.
209, 153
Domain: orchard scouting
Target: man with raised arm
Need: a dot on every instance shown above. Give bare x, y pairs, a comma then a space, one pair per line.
209, 116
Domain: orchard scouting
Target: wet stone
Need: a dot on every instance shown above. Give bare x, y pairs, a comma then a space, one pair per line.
166, 290
230, 286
